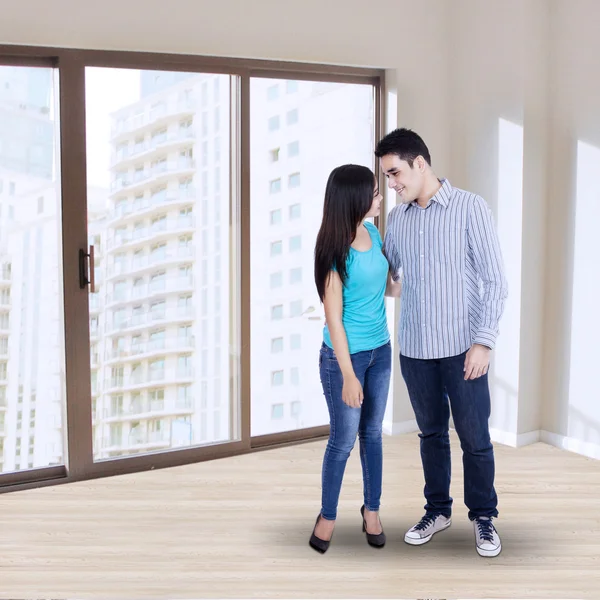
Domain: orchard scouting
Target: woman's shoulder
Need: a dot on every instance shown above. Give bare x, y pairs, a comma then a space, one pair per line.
373, 231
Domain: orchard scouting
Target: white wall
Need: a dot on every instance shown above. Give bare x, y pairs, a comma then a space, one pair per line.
469, 75
572, 321
499, 105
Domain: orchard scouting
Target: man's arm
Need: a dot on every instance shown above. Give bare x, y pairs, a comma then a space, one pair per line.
390, 248
483, 240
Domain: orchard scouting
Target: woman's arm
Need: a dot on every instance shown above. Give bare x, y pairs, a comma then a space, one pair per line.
352, 393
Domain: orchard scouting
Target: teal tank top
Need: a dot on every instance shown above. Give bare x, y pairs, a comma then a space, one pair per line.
363, 297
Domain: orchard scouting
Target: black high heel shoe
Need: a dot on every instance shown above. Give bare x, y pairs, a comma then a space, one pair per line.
317, 543
375, 540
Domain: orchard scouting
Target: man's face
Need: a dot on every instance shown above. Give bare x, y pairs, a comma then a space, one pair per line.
405, 180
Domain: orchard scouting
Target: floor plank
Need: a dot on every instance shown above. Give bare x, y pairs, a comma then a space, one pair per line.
239, 528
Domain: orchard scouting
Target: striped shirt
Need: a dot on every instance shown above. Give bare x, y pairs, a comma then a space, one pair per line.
453, 282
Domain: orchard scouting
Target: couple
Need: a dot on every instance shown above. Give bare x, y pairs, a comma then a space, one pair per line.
444, 242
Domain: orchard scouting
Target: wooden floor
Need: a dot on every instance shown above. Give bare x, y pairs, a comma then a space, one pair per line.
239, 527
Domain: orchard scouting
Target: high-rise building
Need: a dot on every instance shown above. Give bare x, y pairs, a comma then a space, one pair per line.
26, 129
162, 333
31, 325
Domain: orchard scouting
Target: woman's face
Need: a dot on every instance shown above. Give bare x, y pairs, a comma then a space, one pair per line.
376, 206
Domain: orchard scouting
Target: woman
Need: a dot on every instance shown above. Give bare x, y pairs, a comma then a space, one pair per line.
351, 275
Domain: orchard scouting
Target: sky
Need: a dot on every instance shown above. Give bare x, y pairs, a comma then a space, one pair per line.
106, 90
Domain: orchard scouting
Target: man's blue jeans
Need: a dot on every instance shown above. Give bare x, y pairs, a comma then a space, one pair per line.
433, 387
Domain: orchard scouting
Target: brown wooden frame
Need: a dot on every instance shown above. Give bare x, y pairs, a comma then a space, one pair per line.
71, 64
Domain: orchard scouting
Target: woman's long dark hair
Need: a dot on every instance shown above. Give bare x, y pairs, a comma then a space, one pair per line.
348, 199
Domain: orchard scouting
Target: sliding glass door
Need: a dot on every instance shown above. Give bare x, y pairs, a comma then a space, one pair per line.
299, 132
158, 174
157, 223
32, 358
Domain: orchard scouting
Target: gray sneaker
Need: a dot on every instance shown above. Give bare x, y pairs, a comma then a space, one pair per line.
486, 537
426, 528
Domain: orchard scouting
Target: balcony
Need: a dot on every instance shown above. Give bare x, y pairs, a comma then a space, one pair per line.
150, 347
140, 179
137, 209
162, 114
163, 228
5, 278
154, 288
148, 408
149, 378
148, 262
150, 149
149, 319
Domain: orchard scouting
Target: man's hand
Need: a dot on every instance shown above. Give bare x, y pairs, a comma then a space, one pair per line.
477, 361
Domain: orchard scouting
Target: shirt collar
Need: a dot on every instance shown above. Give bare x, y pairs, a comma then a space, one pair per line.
442, 196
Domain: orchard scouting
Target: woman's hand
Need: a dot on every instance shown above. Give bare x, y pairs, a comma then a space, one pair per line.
352, 392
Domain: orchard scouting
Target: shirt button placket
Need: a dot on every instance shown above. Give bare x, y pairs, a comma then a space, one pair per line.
422, 271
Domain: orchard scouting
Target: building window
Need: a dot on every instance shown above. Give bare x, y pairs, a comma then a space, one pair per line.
277, 312
294, 180
276, 248
276, 279
276, 345
274, 123
295, 211
40, 205
277, 411
184, 396
291, 86
273, 92
293, 149
12, 187
295, 376
274, 155
296, 275
295, 341
296, 308
295, 243
292, 117
276, 378
275, 186
275, 216
296, 408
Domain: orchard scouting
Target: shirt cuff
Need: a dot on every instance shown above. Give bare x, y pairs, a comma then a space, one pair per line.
486, 337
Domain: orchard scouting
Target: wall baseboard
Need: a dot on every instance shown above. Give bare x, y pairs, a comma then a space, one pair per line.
512, 439
391, 428
508, 438
564, 442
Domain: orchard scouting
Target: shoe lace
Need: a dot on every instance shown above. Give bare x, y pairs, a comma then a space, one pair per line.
425, 522
486, 529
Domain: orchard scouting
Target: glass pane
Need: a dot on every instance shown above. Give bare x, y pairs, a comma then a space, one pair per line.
300, 131
32, 371
158, 216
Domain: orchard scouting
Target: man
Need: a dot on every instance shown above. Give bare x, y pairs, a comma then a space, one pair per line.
444, 242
